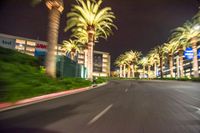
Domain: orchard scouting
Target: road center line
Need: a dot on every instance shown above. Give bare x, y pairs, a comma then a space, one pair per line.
100, 114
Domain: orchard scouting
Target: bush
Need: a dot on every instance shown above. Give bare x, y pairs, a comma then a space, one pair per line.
100, 80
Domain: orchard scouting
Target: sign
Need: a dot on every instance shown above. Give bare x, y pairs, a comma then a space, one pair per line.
98, 62
188, 53
7, 43
198, 53
40, 49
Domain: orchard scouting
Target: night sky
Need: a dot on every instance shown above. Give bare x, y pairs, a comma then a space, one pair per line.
142, 24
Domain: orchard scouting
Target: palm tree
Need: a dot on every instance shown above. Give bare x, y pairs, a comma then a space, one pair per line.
72, 47
144, 63
132, 58
188, 35
154, 57
160, 53
119, 62
150, 63
169, 49
88, 16
55, 9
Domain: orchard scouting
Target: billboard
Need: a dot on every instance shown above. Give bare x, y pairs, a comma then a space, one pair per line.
97, 62
188, 53
40, 50
7, 43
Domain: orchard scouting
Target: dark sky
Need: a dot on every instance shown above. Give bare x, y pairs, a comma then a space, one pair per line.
142, 23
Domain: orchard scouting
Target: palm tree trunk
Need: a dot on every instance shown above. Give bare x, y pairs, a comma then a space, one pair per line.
181, 62
124, 71
120, 71
90, 60
143, 71
161, 66
129, 72
171, 65
149, 70
54, 19
155, 70
72, 55
90, 30
132, 71
195, 60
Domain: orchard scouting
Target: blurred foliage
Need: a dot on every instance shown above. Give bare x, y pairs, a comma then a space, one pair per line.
22, 77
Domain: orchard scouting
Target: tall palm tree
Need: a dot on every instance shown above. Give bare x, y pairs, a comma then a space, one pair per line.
150, 62
72, 47
169, 49
144, 63
160, 53
55, 9
154, 57
132, 58
188, 35
87, 15
120, 62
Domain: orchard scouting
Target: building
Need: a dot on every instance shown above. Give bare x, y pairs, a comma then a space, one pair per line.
38, 48
101, 63
187, 64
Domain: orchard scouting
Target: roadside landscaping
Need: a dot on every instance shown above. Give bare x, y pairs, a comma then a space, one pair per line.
21, 77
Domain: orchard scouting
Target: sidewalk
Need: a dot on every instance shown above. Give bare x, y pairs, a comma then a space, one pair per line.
8, 105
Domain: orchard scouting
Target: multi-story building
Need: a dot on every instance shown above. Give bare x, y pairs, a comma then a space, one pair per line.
101, 63
36, 48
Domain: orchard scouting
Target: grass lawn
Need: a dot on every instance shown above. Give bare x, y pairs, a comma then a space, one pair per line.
21, 77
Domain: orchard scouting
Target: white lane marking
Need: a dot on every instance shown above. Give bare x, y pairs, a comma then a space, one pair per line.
195, 107
100, 114
126, 90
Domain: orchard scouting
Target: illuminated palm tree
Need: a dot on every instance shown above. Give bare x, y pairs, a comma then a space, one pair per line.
150, 62
144, 63
169, 49
55, 9
132, 58
120, 62
88, 16
72, 47
154, 57
158, 51
188, 35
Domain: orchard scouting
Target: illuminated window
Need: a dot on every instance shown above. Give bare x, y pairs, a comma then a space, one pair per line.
31, 43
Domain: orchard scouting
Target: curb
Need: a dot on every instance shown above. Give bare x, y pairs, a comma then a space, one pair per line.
8, 105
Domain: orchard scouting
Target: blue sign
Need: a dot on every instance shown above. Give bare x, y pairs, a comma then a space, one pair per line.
40, 53
188, 53
198, 53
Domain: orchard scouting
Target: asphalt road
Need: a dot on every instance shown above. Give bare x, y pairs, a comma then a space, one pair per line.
119, 107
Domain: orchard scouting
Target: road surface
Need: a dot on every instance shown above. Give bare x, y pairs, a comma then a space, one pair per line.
119, 107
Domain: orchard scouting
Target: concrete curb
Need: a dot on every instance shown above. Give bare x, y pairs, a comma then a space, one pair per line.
8, 105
